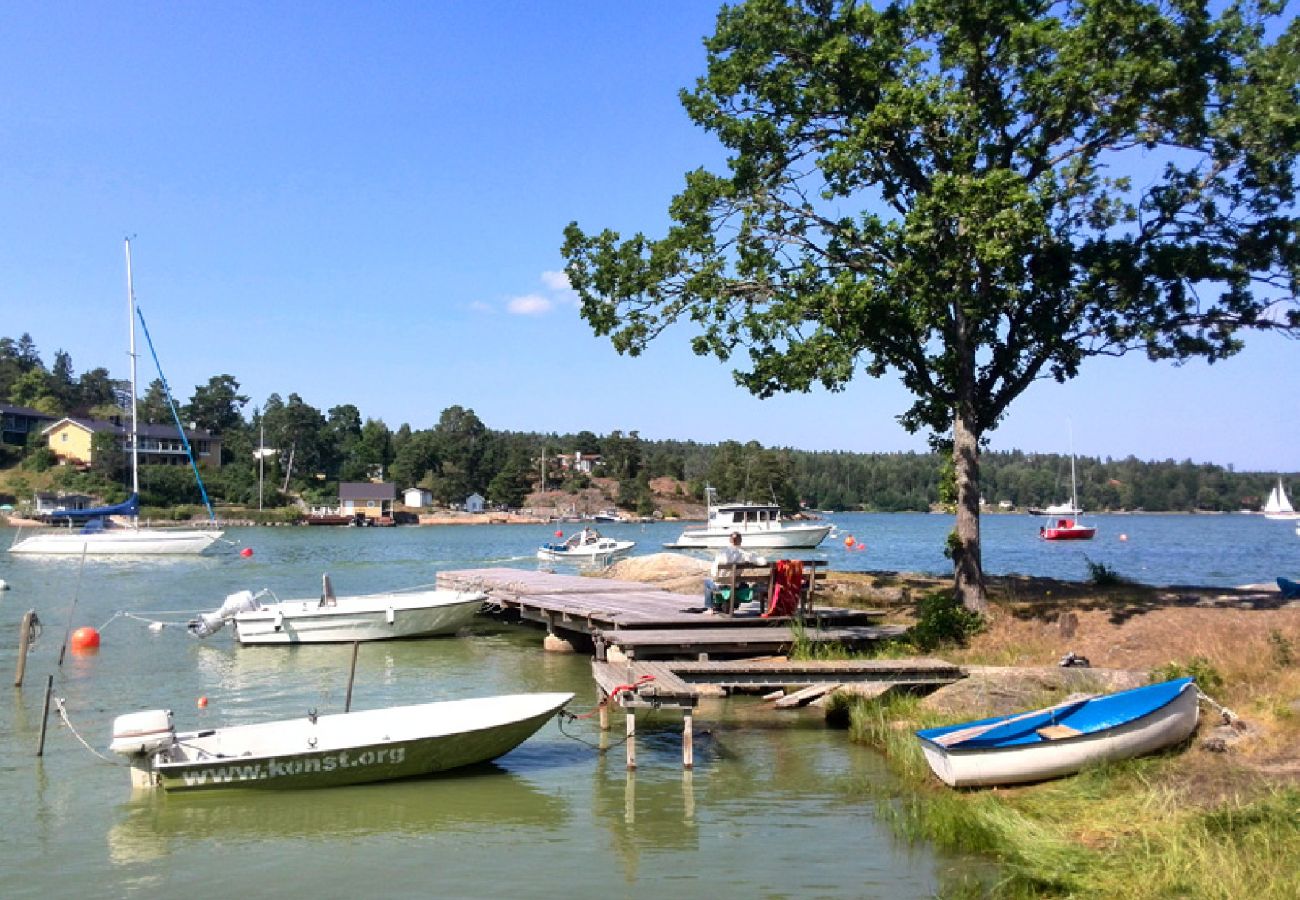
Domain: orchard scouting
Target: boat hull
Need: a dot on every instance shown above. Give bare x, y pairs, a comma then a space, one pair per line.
1069, 534
585, 554
1033, 758
118, 542
355, 748
786, 537
372, 617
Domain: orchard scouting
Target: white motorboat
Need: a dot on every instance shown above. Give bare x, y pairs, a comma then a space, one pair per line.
761, 526
101, 534
330, 619
330, 750
1062, 739
585, 547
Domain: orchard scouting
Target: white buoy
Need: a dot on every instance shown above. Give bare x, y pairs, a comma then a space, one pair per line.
4, 585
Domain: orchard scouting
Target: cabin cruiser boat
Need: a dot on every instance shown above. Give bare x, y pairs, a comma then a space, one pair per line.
760, 525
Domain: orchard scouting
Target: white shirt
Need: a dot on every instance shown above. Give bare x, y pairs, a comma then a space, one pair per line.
730, 555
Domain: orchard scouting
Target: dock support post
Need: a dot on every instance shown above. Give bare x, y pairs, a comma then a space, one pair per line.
688, 741
604, 714
631, 739
24, 643
45, 715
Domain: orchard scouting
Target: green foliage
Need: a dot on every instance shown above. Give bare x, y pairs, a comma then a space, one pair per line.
1280, 648
1103, 575
39, 460
1208, 678
941, 619
942, 176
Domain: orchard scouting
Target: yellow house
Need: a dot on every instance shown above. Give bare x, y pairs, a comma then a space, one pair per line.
369, 499
70, 440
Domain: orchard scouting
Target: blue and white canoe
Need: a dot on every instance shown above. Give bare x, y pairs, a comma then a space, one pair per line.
1062, 739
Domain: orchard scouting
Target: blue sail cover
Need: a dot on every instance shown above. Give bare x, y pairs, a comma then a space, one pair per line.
129, 507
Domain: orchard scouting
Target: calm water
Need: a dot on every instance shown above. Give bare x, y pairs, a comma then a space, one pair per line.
773, 808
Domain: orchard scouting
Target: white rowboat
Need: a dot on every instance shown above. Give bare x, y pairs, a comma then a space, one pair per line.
1062, 739
331, 750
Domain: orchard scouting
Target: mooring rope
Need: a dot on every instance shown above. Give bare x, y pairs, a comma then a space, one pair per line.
1228, 715
63, 714
159, 624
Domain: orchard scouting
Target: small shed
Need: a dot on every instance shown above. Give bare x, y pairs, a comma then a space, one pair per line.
474, 503
370, 499
417, 498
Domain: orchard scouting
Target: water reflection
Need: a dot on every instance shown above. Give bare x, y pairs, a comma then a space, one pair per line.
151, 827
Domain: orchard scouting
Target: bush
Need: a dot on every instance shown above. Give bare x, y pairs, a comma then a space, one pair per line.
942, 620
1207, 677
1102, 575
40, 460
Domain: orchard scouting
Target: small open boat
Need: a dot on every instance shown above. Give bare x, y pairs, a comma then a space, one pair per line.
1062, 739
587, 546
332, 750
330, 619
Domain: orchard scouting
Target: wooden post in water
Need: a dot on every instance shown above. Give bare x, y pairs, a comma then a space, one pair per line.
688, 741
352, 673
45, 715
631, 739
24, 643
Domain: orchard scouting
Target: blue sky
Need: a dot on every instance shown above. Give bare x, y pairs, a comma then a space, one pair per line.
363, 203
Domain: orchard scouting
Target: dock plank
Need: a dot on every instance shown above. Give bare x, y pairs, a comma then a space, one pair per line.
649, 621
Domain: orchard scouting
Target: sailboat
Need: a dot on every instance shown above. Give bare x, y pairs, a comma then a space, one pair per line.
1279, 504
98, 534
1068, 527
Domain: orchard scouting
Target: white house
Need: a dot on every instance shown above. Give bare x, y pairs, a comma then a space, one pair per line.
417, 498
474, 503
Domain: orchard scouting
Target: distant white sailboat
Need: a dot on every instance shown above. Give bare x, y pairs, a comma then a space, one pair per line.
1279, 504
99, 536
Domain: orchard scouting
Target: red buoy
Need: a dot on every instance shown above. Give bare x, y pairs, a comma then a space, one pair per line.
203, 703
860, 546
85, 638
246, 552
848, 541
559, 533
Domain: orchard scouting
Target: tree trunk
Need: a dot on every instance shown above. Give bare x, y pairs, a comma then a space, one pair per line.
968, 568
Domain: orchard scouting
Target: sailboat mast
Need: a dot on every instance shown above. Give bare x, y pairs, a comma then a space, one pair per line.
130, 321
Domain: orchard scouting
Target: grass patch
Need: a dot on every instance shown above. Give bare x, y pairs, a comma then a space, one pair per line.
1135, 830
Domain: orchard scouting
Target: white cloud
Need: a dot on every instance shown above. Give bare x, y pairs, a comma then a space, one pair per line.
529, 305
555, 281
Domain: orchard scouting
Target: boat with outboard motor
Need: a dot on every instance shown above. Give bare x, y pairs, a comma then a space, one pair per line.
419, 612
585, 547
330, 750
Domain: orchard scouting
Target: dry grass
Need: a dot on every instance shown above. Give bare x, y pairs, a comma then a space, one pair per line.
1248, 637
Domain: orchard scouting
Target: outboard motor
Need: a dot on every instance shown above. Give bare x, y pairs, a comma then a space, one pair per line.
210, 623
140, 735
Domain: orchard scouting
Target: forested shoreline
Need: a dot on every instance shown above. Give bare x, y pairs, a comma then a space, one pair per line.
312, 450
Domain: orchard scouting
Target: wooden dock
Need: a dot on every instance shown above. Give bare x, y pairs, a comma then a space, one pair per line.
641, 622
634, 685
644, 622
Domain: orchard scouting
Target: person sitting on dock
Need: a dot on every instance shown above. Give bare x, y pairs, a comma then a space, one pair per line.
728, 555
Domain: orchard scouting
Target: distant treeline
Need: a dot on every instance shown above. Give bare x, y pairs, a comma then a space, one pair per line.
313, 451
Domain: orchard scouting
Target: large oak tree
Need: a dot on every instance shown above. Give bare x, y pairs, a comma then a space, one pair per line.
972, 194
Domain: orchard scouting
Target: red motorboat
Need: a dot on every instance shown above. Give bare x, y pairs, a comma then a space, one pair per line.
1067, 530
